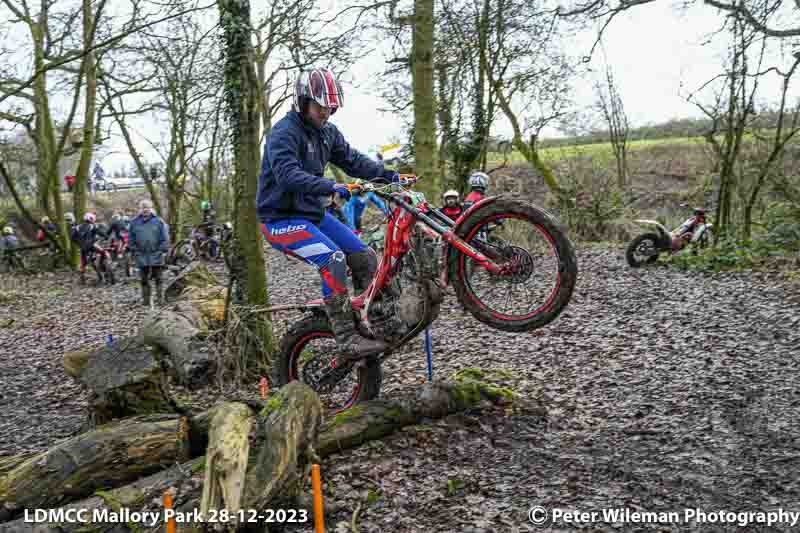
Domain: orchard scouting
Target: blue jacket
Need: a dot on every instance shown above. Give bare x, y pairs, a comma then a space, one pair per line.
148, 240
291, 183
356, 206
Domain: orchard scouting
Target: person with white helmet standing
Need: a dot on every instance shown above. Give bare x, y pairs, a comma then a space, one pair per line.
148, 241
478, 183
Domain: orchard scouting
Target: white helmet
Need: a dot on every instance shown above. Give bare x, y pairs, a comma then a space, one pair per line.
450, 193
8, 230
479, 180
320, 85
69, 218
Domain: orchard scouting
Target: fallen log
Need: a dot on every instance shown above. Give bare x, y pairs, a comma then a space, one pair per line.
109, 456
10, 462
180, 333
239, 476
141, 496
378, 418
269, 473
180, 328
125, 379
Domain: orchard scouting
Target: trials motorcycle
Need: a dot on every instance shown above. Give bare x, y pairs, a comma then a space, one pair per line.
647, 247
510, 263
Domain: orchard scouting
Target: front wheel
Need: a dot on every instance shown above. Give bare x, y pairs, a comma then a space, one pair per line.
538, 259
642, 250
306, 352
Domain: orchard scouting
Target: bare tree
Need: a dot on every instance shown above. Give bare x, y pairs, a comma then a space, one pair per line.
731, 112
609, 103
788, 126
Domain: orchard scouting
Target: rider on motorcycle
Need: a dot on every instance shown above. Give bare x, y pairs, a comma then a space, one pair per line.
86, 236
478, 182
205, 230
292, 194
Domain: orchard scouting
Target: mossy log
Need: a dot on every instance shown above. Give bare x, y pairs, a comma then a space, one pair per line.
378, 418
10, 462
143, 495
240, 476
109, 456
125, 379
227, 457
288, 425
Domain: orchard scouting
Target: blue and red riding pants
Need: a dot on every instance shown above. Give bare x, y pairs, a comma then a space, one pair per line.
325, 246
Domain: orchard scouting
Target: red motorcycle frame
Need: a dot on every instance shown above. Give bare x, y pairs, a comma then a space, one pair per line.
430, 250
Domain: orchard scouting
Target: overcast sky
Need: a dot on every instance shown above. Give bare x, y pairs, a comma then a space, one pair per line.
656, 50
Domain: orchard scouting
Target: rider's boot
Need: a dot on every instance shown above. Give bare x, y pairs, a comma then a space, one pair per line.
146, 294
363, 266
351, 345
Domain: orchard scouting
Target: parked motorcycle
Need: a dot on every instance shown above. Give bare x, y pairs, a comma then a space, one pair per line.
646, 248
204, 243
519, 280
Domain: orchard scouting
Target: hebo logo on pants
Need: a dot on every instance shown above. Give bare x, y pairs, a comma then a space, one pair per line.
288, 229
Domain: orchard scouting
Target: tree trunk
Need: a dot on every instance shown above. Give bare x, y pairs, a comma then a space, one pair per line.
424, 98
243, 110
109, 456
126, 379
87, 148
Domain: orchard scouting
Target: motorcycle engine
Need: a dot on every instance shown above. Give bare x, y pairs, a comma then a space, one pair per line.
402, 305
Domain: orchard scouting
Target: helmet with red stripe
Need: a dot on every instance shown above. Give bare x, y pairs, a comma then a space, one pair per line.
319, 85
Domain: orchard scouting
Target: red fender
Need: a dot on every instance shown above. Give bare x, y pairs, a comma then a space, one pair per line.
474, 207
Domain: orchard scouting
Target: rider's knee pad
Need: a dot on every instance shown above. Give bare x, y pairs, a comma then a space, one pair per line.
364, 262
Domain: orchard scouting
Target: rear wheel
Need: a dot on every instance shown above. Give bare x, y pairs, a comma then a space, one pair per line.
538, 258
306, 352
642, 250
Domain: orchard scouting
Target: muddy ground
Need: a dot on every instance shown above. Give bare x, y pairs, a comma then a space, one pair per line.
656, 390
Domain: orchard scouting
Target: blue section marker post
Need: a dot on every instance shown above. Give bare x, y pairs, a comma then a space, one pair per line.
430, 354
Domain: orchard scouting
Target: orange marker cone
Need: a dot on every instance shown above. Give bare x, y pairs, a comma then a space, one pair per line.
168, 505
316, 488
264, 386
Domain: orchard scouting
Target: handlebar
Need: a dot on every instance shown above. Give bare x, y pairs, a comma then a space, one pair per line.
406, 180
